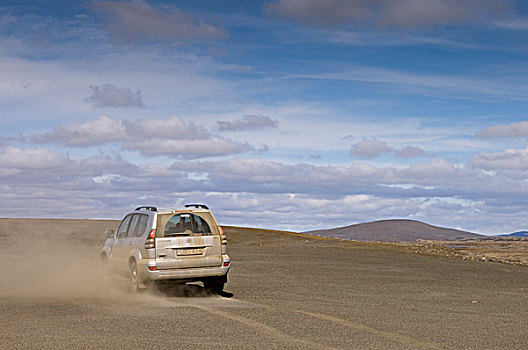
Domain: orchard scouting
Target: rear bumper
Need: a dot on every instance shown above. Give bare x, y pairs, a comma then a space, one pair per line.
185, 274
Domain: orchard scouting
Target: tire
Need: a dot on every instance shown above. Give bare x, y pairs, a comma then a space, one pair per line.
107, 277
134, 278
215, 286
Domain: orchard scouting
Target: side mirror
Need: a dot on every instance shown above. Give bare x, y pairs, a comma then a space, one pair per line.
109, 233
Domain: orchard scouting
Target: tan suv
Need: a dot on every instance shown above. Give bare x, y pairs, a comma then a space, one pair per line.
155, 245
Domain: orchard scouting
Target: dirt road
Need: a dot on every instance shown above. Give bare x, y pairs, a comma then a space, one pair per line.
289, 291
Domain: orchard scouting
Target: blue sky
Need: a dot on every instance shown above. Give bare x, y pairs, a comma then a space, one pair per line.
282, 114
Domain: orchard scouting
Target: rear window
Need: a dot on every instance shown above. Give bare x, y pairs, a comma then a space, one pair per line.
186, 224
141, 225
122, 230
132, 226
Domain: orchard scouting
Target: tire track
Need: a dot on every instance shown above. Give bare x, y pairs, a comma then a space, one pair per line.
266, 329
396, 337
400, 338
283, 337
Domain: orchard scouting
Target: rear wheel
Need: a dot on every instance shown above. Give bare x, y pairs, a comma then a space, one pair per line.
214, 285
134, 278
106, 270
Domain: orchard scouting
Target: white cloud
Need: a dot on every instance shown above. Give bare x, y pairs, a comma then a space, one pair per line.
248, 123
263, 193
103, 164
437, 177
109, 95
129, 21
261, 176
30, 159
100, 131
213, 146
151, 137
173, 129
519, 24
393, 13
300, 212
369, 148
436, 171
514, 159
410, 152
509, 130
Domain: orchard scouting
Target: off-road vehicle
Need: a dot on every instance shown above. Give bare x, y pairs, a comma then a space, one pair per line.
154, 245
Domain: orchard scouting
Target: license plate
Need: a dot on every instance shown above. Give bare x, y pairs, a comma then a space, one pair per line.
189, 251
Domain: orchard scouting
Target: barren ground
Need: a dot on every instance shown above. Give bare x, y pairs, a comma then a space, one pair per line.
511, 250
290, 291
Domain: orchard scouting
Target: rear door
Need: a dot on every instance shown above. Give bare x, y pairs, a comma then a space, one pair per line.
138, 241
187, 240
121, 245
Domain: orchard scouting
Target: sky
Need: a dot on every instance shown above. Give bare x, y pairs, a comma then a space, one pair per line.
280, 114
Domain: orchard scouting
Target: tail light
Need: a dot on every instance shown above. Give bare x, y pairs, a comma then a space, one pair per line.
223, 238
151, 242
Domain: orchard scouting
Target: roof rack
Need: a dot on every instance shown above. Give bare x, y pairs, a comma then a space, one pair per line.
147, 208
200, 206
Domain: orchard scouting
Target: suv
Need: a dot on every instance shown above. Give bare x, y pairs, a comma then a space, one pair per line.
153, 245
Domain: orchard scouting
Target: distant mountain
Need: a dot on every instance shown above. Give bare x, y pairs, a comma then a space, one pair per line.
394, 231
516, 234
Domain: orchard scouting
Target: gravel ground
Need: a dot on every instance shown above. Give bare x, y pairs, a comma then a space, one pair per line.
288, 291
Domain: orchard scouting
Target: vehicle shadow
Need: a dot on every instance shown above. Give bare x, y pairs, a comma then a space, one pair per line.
186, 290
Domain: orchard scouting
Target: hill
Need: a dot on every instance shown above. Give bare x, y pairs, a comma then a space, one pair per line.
394, 231
516, 234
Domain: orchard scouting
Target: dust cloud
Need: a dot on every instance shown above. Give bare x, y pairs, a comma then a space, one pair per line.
54, 259
51, 267
44, 258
